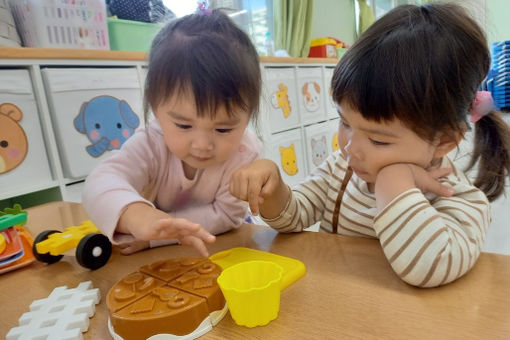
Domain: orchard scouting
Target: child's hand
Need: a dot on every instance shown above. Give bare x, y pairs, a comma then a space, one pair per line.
133, 246
397, 178
257, 182
146, 223
186, 232
427, 180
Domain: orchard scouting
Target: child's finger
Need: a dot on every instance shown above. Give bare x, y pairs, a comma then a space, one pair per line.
253, 196
196, 243
440, 189
187, 225
206, 236
438, 173
234, 187
269, 187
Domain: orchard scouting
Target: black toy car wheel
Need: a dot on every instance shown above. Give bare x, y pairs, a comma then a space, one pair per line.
46, 257
93, 251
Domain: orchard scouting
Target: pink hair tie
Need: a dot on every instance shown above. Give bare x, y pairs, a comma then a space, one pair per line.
481, 106
203, 8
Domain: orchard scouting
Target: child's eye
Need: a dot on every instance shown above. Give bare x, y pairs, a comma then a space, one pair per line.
377, 142
344, 124
223, 130
183, 126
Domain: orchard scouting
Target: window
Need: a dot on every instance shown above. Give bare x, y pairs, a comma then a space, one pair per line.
255, 17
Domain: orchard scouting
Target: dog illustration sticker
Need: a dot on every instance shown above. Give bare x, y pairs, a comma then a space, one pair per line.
108, 122
13, 140
311, 95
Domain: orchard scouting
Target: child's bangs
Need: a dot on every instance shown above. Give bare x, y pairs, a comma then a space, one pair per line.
377, 89
206, 69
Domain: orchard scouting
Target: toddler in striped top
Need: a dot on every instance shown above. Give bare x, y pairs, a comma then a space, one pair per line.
405, 93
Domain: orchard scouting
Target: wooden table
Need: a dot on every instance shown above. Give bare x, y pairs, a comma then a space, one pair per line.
348, 292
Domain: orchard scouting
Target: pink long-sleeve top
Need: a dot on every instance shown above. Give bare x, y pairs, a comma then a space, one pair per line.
144, 170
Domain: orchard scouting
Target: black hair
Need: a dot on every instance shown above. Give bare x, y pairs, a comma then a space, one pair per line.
423, 65
208, 55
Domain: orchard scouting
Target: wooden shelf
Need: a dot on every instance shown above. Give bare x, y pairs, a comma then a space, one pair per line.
56, 53
81, 54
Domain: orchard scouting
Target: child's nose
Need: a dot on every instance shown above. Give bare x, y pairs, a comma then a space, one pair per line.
202, 142
353, 148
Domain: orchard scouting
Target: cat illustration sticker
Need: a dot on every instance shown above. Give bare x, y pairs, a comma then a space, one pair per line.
311, 95
280, 100
13, 140
288, 160
319, 150
108, 122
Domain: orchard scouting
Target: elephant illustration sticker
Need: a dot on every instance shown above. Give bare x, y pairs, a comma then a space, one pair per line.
13, 140
108, 122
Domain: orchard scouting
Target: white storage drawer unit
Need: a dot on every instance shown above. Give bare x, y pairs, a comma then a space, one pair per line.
279, 100
24, 165
94, 111
329, 103
318, 139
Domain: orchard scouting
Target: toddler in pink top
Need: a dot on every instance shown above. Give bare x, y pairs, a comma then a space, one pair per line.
170, 181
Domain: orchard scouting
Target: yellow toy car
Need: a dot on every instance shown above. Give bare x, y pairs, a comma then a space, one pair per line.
93, 249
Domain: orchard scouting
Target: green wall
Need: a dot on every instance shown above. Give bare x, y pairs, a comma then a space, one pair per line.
498, 20
334, 18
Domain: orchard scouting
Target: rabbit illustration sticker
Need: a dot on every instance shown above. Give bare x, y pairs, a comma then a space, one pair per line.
13, 140
108, 122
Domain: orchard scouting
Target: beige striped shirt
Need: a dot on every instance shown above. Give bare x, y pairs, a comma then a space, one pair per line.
429, 240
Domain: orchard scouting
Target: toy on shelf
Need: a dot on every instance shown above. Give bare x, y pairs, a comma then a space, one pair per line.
15, 241
64, 314
93, 249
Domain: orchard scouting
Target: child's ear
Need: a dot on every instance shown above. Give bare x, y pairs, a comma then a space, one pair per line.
447, 142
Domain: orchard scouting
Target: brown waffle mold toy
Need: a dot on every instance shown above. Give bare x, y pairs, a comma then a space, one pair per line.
170, 299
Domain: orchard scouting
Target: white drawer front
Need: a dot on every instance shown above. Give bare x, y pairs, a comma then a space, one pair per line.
94, 111
287, 150
279, 105
310, 87
330, 104
24, 163
317, 143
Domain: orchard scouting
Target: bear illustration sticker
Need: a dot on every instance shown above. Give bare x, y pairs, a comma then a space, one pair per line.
13, 140
108, 122
288, 160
